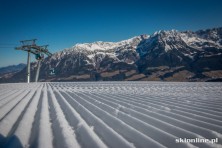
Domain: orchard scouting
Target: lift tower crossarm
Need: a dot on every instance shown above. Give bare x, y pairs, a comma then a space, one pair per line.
28, 42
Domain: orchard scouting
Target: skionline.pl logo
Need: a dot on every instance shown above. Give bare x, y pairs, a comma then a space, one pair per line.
196, 140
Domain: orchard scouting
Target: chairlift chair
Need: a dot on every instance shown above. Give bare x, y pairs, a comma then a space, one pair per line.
39, 56
52, 71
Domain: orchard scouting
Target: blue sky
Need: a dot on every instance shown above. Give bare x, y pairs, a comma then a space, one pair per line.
63, 23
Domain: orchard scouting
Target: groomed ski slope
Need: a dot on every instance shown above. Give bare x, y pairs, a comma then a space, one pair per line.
110, 114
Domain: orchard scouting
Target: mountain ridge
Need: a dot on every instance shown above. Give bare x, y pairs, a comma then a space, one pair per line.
7, 72
162, 56
12, 68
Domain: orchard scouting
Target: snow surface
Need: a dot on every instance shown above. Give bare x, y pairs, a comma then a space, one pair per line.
110, 114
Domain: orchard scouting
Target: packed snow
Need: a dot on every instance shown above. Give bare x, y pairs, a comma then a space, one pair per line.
110, 114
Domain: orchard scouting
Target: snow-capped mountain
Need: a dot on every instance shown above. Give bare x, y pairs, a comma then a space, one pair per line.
164, 55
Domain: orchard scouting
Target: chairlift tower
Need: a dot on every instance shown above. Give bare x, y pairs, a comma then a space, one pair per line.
39, 51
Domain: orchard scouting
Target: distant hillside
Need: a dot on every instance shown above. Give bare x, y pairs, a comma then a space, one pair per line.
9, 71
12, 68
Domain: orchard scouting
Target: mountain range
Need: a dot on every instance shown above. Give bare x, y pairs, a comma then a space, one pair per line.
9, 71
163, 56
